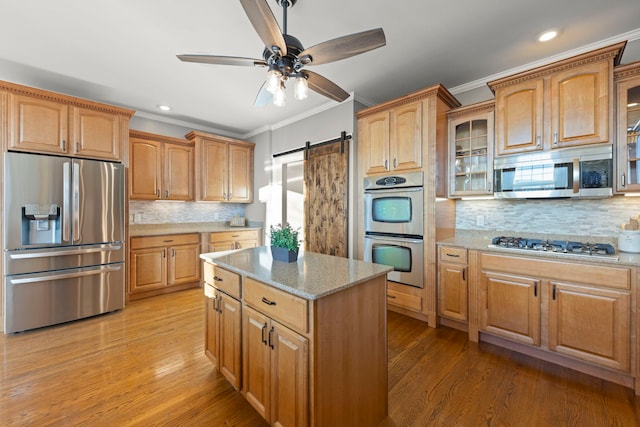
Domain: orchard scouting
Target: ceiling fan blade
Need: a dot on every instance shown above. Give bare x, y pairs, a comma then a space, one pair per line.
325, 87
221, 60
265, 24
345, 47
264, 97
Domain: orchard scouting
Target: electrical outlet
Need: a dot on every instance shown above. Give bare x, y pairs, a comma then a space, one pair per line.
137, 217
480, 220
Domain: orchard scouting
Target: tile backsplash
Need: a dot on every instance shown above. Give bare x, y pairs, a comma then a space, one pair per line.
163, 212
600, 217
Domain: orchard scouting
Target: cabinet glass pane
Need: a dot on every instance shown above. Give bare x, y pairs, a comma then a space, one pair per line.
471, 140
633, 135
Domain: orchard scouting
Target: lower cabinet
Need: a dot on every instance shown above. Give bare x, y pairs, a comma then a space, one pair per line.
452, 283
275, 370
160, 264
580, 311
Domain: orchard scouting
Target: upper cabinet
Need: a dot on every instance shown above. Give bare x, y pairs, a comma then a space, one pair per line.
161, 167
627, 80
224, 168
394, 137
45, 122
563, 104
471, 150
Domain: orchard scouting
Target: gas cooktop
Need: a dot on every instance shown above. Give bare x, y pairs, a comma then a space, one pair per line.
560, 247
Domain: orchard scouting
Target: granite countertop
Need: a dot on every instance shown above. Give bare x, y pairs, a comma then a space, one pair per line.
312, 277
481, 241
185, 227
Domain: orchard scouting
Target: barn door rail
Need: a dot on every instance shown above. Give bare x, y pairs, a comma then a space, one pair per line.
307, 146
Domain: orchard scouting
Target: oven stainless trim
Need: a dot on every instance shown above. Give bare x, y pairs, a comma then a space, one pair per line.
416, 276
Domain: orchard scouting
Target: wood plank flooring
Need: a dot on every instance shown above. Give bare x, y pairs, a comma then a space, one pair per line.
145, 366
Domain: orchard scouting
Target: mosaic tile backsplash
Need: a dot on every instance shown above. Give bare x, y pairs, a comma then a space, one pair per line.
162, 212
601, 217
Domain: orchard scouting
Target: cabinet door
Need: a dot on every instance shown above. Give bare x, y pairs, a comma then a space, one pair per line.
178, 172
38, 125
374, 131
214, 164
230, 326
289, 376
148, 269
240, 174
256, 356
591, 324
212, 330
628, 146
452, 291
95, 134
406, 137
510, 306
519, 117
580, 105
184, 264
145, 169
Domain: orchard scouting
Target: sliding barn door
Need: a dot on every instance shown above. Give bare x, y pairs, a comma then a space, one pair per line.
326, 173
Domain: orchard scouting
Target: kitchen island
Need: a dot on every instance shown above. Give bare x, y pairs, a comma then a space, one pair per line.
304, 342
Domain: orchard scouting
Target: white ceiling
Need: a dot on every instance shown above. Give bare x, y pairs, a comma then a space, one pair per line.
122, 52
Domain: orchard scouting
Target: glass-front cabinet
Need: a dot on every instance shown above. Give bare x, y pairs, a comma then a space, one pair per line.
627, 80
471, 150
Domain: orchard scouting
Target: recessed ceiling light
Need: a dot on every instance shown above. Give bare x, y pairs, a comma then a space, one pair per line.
547, 35
632, 104
164, 107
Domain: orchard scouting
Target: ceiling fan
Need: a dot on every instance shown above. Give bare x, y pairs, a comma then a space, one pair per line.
286, 58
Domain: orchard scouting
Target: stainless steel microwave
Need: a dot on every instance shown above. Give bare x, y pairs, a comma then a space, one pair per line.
581, 172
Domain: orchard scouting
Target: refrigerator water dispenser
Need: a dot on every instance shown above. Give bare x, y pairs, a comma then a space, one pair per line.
41, 224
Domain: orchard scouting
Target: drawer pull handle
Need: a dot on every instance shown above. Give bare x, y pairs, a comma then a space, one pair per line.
168, 241
391, 296
217, 279
264, 338
266, 301
454, 255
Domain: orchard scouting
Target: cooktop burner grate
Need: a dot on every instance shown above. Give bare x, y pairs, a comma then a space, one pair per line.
556, 246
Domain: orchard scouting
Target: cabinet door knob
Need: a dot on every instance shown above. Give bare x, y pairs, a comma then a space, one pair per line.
555, 138
538, 141
386, 164
64, 145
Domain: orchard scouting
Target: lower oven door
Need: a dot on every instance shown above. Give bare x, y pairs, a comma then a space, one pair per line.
406, 256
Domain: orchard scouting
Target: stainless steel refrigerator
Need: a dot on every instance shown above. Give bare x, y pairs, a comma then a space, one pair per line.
63, 239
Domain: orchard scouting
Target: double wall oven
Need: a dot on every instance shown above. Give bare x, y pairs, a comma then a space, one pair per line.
393, 225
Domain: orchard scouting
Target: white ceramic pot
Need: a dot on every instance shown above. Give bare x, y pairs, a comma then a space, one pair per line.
629, 241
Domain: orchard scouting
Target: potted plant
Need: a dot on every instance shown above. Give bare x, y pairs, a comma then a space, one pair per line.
284, 243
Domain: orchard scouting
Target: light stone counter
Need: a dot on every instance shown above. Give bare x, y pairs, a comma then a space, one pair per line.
480, 242
185, 227
312, 277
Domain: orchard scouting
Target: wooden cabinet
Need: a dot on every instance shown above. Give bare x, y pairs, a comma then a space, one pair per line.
223, 322
582, 311
471, 150
161, 167
394, 138
276, 371
563, 104
160, 264
45, 122
452, 283
410, 134
229, 240
224, 168
627, 80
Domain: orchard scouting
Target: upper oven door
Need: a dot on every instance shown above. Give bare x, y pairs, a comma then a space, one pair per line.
395, 211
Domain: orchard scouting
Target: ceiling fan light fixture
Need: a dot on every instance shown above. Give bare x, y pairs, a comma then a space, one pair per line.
300, 88
273, 80
279, 96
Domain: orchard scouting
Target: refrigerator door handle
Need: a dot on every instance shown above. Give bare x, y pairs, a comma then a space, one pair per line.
71, 275
66, 190
76, 202
49, 254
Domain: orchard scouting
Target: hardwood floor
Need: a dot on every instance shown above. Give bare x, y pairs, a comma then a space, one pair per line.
145, 366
